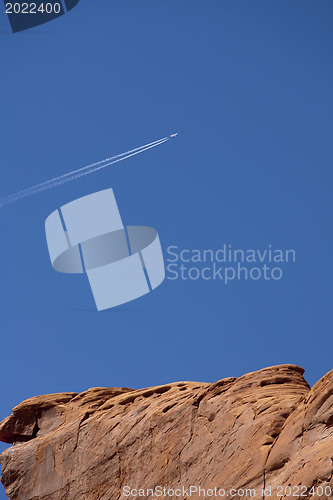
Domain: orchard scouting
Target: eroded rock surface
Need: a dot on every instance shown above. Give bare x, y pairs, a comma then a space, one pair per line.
265, 429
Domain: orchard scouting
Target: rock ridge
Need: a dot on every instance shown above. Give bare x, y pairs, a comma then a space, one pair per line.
267, 429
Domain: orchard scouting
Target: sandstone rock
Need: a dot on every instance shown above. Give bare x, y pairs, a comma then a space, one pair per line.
265, 429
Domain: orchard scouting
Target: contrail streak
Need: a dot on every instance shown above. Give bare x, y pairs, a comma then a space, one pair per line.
75, 174
88, 167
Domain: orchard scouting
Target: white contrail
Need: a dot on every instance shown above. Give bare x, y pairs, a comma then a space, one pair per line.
88, 167
81, 173
75, 174
69, 174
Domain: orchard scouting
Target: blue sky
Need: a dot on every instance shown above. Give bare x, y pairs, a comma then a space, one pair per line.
249, 87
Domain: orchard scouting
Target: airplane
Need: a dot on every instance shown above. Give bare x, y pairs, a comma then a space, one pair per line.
174, 135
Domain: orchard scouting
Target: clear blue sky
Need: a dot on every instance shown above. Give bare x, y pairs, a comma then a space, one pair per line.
249, 87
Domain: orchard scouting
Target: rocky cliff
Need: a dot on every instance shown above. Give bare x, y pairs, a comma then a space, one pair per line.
263, 435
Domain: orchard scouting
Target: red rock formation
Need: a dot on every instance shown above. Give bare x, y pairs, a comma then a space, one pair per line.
267, 429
